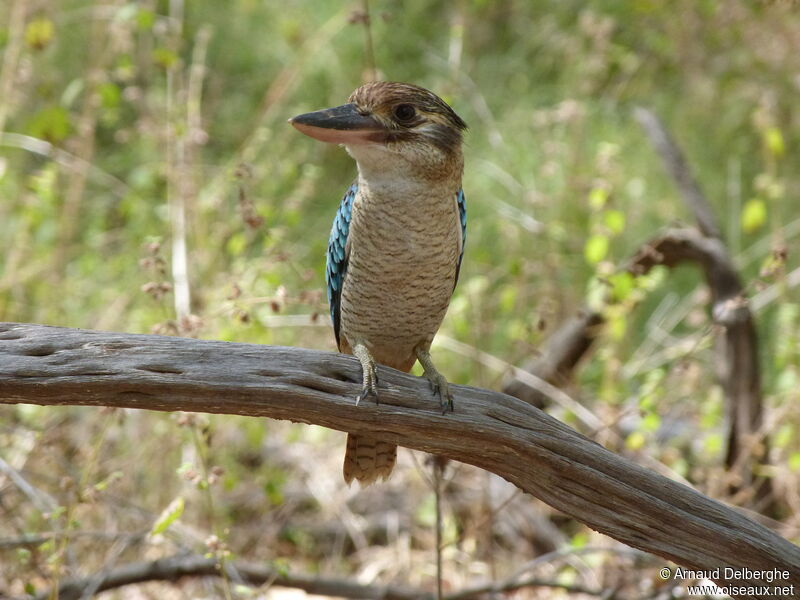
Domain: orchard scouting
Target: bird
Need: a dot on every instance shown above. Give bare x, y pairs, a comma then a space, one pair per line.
397, 241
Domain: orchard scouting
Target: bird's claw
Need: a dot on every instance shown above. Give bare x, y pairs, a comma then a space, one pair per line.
370, 374
370, 389
440, 387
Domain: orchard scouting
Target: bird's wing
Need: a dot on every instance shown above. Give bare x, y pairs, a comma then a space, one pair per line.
461, 201
337, 257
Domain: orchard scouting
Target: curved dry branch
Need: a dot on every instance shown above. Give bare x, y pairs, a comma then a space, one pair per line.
737, 365
560, 355
174, 568
678, 168
678, 245
59, 366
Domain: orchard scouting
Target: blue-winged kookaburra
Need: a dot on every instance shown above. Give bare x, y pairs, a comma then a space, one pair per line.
397, 241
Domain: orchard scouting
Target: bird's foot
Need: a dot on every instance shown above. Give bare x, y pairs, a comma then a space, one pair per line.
369, 389
439, 385
370, 374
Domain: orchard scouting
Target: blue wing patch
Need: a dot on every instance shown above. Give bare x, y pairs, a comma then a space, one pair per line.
337, 257
461, 200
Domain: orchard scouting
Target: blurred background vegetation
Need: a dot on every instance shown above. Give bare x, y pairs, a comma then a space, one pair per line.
131, 129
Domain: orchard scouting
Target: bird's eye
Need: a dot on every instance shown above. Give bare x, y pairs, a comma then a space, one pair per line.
404, 113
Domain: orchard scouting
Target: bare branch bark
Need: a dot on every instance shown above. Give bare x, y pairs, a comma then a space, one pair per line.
738, 367
737, 357
677, 167
175, 567
58, 366
560, 355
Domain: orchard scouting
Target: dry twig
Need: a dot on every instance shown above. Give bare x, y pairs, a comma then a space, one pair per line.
176, 567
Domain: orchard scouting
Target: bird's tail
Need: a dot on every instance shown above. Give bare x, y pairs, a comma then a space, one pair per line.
368, 459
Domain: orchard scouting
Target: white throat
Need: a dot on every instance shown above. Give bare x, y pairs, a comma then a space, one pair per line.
389, 174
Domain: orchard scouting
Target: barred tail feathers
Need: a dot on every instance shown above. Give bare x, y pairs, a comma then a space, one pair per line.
368, 459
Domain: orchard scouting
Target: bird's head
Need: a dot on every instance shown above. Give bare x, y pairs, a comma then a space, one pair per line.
390, 126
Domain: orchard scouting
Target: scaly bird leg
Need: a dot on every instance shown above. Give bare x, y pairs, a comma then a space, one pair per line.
370, 373
439, 384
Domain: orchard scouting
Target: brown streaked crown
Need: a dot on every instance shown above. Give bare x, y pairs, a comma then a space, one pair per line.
409, 112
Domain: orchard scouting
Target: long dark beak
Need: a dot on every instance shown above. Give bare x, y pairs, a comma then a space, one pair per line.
340, 125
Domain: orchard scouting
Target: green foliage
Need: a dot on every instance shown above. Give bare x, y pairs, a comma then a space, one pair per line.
596, 248
754, 215
52, 124
39, 33
170, 514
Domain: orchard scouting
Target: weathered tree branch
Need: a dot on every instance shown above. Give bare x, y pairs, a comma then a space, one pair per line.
560, 355
737, 357
678, 168
58, 366
175, 567
737, 365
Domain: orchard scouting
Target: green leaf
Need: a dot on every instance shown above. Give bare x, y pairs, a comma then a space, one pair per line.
145, 19
236, 244
651, 422
274, 486
110, 95
754, 215
170, 514
783, 437
52, 124
773, 140
596, 294
622, 284
103, 485
57, 512
794, 461
614, 220
598, 198
579, 540
635, 441
650, 281
713, 444
39, 33
426, 511
281, 566
244, 591
164, 57
617, 325
596, 248
508, 297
